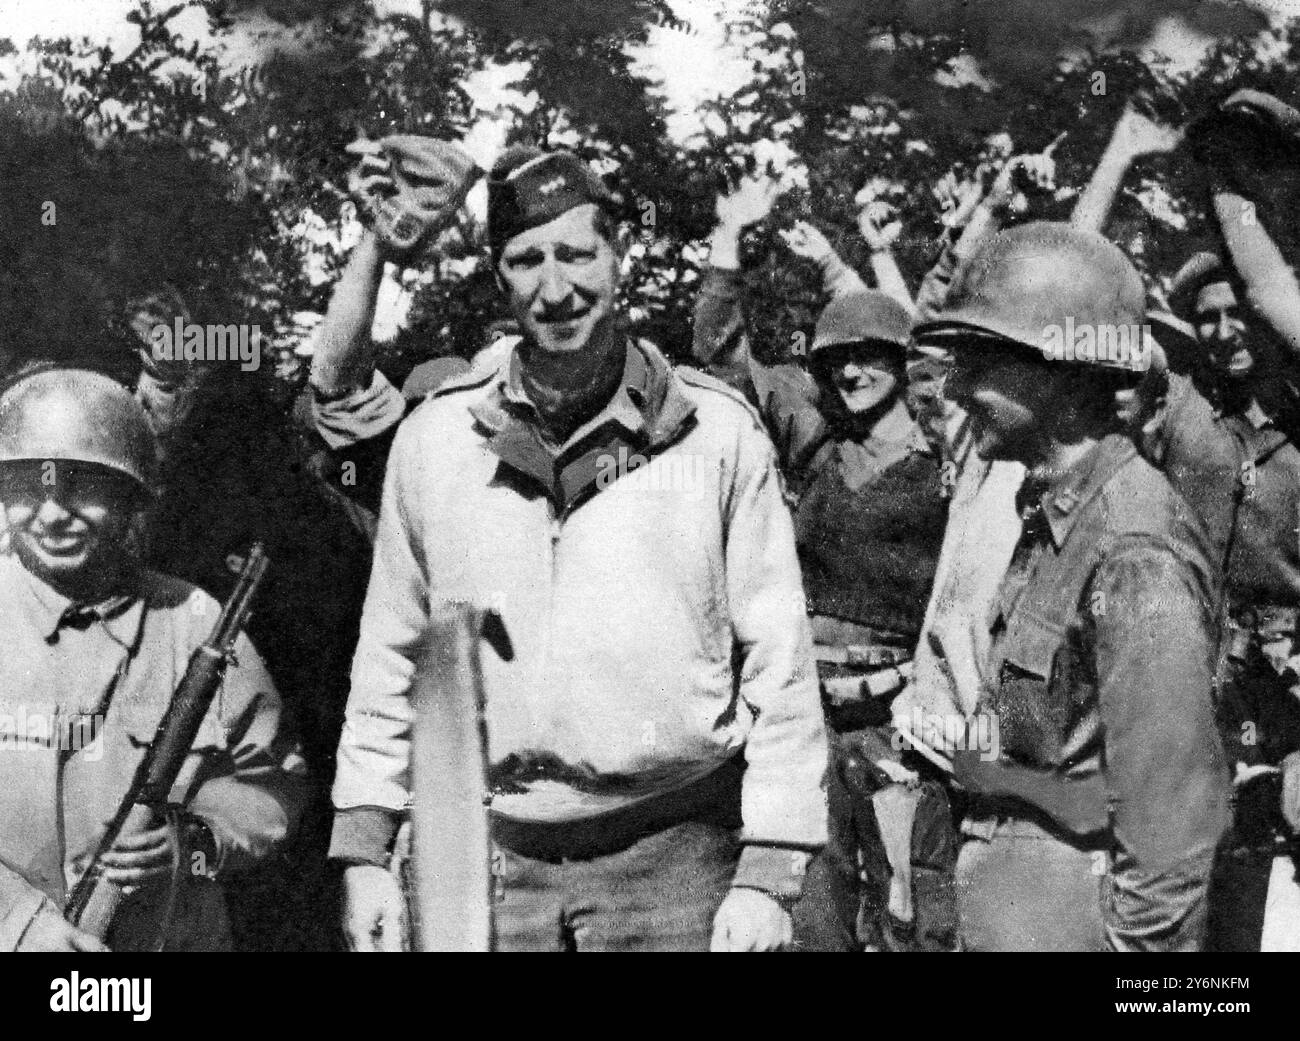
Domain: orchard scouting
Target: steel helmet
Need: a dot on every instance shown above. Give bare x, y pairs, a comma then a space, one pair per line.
73, 415
865, 316
1044, 284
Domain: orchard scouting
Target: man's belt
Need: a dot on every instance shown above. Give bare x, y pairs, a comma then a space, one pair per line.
713, 798
987, 815
861, 656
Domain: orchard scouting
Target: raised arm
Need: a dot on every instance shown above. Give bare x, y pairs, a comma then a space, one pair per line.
407, 189
1134, 136
880, 229
1271, 286
979, 216
806, 241
721, 341
343, 360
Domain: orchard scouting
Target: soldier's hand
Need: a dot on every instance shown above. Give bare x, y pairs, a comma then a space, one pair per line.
750, 920
1139, 134
51, 934
143, 858
878, 226
803, 240
748, 203
1036, 170
1291, 791
372, 909
408, 204
958, 199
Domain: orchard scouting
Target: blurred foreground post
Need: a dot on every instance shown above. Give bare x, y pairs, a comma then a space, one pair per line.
452, 862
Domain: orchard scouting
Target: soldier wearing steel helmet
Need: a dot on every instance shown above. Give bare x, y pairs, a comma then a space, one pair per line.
1094, 824
869, 519
95, 646
869, 507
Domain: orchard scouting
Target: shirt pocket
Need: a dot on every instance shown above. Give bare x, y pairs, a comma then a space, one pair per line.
1033, 717
140, 727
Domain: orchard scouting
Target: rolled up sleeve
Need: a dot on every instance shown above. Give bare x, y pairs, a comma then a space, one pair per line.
362, 415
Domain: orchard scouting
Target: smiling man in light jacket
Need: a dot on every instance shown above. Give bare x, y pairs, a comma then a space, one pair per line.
656, 741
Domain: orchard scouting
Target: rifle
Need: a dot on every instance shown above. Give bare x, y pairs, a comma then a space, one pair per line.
95, 902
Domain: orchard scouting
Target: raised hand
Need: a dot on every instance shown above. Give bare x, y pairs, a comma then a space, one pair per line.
878, 224
748, 203
1029, 170
806, 241
1139, 134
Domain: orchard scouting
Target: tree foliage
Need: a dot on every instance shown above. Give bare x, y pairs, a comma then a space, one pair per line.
167, 166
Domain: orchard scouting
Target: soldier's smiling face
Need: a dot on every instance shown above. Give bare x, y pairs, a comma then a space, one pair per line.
1222, 328
561, 279
864, 374
67, 520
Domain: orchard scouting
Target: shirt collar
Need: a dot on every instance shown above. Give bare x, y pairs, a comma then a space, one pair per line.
1059, 498
626, 407
648, 409
51, 612
649, 400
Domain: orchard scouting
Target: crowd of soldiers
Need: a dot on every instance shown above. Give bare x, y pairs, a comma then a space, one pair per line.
935, 637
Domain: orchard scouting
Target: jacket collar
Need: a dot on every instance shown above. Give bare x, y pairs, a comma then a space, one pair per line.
1061, 499
648, 411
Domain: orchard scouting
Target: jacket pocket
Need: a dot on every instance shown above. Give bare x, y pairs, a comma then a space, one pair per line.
1032, 718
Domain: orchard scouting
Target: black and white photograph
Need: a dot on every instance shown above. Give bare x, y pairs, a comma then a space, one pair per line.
651, 475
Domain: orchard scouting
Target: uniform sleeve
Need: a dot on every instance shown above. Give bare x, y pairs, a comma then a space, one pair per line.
933, 292
783, 801
1164, 770
720, 341
838, 279
372, 782
350, 438
20, 903
788, 403
362, 415
254, 798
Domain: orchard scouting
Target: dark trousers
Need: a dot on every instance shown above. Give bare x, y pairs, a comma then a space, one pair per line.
1023, 889
1238, 895
658, 894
